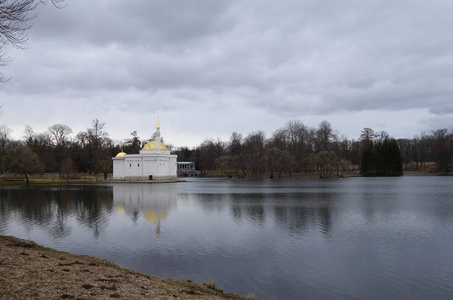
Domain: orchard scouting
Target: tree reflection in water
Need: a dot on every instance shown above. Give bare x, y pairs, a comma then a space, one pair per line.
277, 238
293, 212
51, 208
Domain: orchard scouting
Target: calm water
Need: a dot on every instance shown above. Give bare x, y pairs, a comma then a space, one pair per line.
357, 238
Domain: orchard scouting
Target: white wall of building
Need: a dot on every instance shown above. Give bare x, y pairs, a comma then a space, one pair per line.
141, 166
118, 167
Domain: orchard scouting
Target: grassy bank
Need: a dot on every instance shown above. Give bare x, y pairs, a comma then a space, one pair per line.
37, 181
50, 178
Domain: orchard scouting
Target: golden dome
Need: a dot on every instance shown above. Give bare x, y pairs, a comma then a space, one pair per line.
153, 146
121, 154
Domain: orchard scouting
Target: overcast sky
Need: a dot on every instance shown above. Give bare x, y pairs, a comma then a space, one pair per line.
207, 68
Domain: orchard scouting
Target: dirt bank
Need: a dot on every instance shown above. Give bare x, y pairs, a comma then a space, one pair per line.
30, 271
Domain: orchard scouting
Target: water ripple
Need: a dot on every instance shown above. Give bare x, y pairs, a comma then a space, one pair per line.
361, 238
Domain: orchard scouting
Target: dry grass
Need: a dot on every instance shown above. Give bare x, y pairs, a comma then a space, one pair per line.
210, 284
49, 178
30, 271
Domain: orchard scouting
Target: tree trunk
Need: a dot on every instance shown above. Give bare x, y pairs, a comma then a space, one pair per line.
26, 177
242, 166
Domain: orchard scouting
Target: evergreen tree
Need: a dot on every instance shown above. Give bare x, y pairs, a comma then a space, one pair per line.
381, 158
366, 161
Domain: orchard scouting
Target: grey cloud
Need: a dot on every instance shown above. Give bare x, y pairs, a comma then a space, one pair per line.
287, 58
155, 24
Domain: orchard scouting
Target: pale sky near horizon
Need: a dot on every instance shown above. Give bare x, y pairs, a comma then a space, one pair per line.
208, 68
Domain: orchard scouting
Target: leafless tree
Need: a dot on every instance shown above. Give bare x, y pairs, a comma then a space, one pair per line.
210, 151
299, 140
29, 133
272, 156
236, 151
324, 136
367, 135
327, 162
59, 133
5, 135
15, 20
22, 159
254, 145
97, 144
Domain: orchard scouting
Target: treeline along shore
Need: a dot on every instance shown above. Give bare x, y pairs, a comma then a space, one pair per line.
295, 150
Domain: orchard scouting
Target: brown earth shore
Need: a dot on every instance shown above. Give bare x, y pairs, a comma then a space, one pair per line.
30, 271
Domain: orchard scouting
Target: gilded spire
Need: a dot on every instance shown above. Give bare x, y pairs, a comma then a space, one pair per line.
158, 123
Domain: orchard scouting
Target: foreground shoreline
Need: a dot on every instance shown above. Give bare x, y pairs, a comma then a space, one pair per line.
31, 271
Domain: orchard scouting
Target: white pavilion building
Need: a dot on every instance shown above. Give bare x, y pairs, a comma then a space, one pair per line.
154, 162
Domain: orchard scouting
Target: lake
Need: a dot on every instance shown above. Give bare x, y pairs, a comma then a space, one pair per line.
355, 238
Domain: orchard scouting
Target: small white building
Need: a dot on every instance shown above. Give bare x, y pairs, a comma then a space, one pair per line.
187, 169
153, 162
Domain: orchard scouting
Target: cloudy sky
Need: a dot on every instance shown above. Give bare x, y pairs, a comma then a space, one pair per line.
207, 68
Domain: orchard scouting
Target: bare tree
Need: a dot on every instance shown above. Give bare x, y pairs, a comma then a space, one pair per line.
223, 165
367, 136
324, 136
5, 141
441, 141
236, 151
327, 162
5, 135
59, 134
29, 133
22, 159
254, 145
98, 142
69, 167
210, 151
272, 156
15, 20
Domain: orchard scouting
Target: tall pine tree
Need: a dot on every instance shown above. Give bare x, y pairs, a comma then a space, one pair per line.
381, 158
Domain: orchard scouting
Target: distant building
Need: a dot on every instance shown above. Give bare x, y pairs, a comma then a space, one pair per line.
153, 162
187, 169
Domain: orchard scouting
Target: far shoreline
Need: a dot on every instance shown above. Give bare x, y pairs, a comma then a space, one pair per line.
52, 179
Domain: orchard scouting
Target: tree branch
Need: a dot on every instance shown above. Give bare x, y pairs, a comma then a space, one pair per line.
15, 17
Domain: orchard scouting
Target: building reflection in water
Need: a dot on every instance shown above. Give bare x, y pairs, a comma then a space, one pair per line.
153, 202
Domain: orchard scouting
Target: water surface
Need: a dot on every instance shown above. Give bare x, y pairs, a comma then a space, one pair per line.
356, 238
